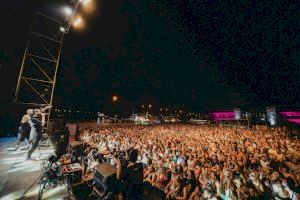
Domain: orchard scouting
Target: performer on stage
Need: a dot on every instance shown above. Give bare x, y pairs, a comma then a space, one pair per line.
24, 128
37, 121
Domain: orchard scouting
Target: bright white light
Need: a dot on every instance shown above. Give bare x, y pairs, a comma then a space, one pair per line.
85, 2
68, 11
62, 29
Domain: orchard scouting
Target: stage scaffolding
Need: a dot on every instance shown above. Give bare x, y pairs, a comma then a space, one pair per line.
39, 66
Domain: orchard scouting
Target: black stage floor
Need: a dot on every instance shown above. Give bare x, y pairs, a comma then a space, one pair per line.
18, 176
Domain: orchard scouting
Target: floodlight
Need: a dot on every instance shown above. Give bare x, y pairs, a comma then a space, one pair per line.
85, 2
67, 10
77, 21
62, 29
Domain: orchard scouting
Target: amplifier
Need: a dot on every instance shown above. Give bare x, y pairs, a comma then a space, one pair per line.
152, 193
76, 151
73, 172
76, 144
105, 177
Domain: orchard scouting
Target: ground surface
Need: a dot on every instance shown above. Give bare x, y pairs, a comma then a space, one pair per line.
18, 176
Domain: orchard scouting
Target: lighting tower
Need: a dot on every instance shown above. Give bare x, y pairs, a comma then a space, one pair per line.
38, 70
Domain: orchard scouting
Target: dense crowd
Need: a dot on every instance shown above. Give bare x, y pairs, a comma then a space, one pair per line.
206, 162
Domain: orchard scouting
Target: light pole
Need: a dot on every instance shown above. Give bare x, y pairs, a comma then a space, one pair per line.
115, 98
150, 106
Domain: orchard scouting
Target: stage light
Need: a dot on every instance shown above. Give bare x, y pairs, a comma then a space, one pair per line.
68, 11
88, 6
85, 2
77, 23
62, 29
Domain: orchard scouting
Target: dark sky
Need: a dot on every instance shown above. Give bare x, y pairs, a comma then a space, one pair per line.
197, 55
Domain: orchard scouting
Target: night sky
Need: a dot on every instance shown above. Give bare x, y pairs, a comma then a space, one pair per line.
195, 55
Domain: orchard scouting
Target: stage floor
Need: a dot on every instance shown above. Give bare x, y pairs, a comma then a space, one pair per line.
18, 176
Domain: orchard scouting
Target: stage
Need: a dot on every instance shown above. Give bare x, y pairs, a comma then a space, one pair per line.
18, 176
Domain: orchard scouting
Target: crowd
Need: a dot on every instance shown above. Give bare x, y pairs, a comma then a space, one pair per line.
191, 162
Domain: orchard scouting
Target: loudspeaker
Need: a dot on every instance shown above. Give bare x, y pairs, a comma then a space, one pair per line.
60, 141
73, 172
152, 193
76, 144
55, 125
105, 177
77, 147
76, 151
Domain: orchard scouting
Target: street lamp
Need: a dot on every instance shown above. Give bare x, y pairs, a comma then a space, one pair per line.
115, 98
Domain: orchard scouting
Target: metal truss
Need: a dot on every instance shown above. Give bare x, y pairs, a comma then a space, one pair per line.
39, 67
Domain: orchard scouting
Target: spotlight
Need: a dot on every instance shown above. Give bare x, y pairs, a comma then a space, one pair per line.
62, 29
85, 2
68, 11
88, 6
77, 21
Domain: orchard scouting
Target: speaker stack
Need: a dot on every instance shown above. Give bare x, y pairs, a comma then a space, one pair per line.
73, 172
76, 151
105, 180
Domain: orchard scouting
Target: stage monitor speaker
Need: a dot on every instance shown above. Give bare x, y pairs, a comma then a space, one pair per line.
152, 193
73, 172
60, 143
78, 146
105, 177
76, 151
55, 125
